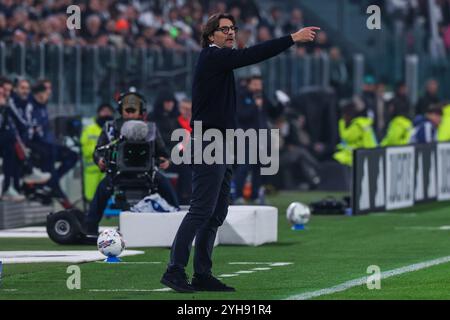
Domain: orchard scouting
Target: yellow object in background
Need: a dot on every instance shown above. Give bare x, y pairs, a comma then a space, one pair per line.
92, 174
399, 132
444, 127
359, 134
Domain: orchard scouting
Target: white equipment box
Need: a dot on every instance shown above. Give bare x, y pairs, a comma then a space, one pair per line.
244, 225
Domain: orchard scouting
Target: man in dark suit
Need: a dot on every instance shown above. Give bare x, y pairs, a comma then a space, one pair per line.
214, 104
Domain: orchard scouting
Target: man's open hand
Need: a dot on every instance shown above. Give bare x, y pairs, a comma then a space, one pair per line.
305, 35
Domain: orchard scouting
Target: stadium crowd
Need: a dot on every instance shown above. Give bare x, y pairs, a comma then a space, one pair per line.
31, 153
363, 121
174, 25
404, 15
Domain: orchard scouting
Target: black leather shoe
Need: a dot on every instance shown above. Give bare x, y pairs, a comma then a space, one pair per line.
209, 283
177, 280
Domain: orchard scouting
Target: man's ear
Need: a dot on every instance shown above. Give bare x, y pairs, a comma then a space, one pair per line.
211, 39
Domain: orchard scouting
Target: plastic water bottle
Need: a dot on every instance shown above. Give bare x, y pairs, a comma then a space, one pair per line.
233, 191
262, 196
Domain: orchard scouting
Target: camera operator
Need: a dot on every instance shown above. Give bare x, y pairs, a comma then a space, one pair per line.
131, 107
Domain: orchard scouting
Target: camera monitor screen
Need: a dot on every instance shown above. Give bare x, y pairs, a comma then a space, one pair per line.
136, 155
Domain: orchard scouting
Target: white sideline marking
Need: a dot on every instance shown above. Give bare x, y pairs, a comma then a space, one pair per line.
32, 232
228, 275
131, 262
163, 290
270, 263
280, 264
130, 290
445, 228
71, 256
8, 290
360, 281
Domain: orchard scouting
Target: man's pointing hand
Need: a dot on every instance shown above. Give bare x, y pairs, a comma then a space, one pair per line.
305, 35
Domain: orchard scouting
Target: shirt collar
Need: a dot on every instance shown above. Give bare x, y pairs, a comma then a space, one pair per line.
214, 45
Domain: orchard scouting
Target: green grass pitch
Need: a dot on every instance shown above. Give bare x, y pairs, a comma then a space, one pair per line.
333, 250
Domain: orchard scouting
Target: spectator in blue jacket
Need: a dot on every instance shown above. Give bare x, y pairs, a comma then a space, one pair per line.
20, 104
43, 143
10, 168
426, 126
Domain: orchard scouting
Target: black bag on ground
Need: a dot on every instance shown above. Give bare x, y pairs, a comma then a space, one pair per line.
329, 206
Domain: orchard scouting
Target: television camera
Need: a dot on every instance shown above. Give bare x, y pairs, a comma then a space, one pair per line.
131, 166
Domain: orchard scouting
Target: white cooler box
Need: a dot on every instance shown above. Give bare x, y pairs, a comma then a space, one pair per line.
249, 225
244, 225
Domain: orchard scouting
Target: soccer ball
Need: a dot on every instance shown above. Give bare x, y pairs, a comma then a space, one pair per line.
110, 243
297, 213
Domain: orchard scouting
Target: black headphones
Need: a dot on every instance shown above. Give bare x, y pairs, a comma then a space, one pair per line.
142, 101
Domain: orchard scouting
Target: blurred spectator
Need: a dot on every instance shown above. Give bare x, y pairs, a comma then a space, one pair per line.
298, 167
381, 114
400, 126
370, 99
251, 114
11, 169
19, 102
339, 76
426, 126
264, 34
445, 31
184, 118
42, 142
245, 38
274, 22
165, 115
444, 127
355, 130
7, 7
88, 141
248, 8
93, 29
295, 21
322, 44
184, 183
400, 101
16, 156
429, 98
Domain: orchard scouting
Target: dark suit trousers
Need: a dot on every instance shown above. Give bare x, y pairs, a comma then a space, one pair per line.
208, 210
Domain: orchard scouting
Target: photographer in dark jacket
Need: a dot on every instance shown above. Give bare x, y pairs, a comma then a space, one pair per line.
165, 114
131, 107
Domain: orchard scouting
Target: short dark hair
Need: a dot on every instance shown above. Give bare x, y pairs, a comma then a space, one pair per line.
105, 106
44, 81
255, 77
211, 25
38, 88
435, 108
4, 80
18, 80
